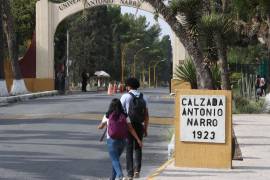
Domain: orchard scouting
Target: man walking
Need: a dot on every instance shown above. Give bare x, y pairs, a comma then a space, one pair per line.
135, 105
84, 80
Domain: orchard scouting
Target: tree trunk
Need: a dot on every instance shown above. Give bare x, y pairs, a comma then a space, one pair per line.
3, 85
220, 6
222, 62
18, 86
225, 4
2, 74
191, 44
268, 37
203, 73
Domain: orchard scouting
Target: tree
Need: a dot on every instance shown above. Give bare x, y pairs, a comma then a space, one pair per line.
182, 16
18, 86
164, 69
217, 27
24, 17
253, 21
264, 32
92, 47
117, 28
96, 37
3, 86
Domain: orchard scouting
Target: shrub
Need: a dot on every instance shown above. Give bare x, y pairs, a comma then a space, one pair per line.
171, 132
234, 77
245, 105
187, 72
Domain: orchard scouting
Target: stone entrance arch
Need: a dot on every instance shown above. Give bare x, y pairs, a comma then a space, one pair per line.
49, 15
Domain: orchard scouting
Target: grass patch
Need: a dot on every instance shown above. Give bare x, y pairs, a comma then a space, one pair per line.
249, 106
170, 134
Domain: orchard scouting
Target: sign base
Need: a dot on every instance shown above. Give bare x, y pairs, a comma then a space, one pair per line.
204, 154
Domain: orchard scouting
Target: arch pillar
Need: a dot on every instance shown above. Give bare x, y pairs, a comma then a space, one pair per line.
44, 47
179, 52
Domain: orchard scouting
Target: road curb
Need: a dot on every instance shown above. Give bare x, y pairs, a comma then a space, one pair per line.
25, 97
160, 169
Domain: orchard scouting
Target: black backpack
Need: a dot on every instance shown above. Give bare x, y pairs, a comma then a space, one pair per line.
137, 108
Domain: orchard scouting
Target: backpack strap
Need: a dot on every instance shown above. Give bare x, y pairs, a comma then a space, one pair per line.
141, 95
130, 93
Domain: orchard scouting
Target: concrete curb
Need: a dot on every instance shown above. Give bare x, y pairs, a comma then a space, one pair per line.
25, 97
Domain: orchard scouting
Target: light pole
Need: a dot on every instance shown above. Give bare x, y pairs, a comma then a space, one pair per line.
142, 77
125, 46
67, 64
134, 59
149, 73
155, 70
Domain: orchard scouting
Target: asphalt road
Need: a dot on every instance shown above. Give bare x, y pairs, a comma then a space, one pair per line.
160, 104
37, 142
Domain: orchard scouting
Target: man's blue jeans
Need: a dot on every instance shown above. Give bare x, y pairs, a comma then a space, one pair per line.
116, 147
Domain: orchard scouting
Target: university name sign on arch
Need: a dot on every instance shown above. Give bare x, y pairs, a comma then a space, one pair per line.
93, 3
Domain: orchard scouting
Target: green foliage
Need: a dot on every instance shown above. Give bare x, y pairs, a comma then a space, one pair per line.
212, 26
171, 132
217, 23
247, 85
245, 105
91, 38
188, 7
243, 9
187, 72
234, 78
166, 52
216, 76
246, 55
97, 37
191, 10
265, 6
246, 9
60, 41
24, 16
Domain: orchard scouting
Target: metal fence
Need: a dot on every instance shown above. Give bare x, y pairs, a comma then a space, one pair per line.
257, 69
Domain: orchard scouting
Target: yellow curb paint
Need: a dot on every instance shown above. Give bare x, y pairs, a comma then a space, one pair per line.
160, 169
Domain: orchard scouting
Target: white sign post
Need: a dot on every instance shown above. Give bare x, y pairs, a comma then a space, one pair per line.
202, 118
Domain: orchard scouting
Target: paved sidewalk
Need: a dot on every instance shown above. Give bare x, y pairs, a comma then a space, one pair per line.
25, 97
253, 135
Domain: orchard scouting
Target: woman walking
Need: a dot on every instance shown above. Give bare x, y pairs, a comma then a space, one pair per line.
118, 125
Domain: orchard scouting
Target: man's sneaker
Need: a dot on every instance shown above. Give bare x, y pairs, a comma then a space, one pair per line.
136, 175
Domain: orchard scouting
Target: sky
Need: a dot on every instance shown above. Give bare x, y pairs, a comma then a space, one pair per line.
166, 30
